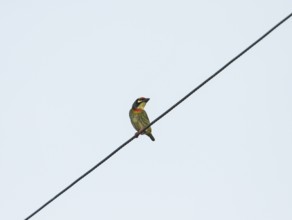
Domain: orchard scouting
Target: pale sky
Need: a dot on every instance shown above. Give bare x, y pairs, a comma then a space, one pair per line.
70, 71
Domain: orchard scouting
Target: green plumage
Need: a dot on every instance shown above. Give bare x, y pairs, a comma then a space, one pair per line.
140, 120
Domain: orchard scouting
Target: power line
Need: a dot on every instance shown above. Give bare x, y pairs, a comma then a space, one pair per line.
159, 117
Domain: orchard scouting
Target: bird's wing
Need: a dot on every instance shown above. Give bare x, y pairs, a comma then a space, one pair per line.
145, 120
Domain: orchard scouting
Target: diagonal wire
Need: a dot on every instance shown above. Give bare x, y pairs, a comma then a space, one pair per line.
159, 117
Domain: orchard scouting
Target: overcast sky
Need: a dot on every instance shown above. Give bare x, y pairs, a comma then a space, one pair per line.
70, 71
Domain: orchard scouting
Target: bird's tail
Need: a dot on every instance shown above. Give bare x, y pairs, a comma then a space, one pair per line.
151, 136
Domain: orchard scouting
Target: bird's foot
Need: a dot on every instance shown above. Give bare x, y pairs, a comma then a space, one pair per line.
137, 134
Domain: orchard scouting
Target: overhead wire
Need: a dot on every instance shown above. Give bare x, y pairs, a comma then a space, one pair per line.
159, 117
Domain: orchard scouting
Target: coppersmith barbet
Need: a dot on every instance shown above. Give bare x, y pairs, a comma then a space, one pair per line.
139, 118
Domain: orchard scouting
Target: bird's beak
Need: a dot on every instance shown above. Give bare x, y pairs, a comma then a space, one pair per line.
147, 99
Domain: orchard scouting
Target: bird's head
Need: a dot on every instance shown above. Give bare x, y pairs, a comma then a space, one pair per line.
140, 103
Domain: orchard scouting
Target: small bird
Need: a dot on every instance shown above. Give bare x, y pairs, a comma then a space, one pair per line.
139, 118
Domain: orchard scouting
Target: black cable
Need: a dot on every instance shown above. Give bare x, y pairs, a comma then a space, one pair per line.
158, 118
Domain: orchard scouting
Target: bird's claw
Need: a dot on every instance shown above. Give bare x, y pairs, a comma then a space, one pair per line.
138, 133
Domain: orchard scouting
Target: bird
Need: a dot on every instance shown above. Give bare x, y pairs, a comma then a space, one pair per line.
139, 117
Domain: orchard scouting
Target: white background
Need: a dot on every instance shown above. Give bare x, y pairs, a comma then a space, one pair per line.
70, 71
